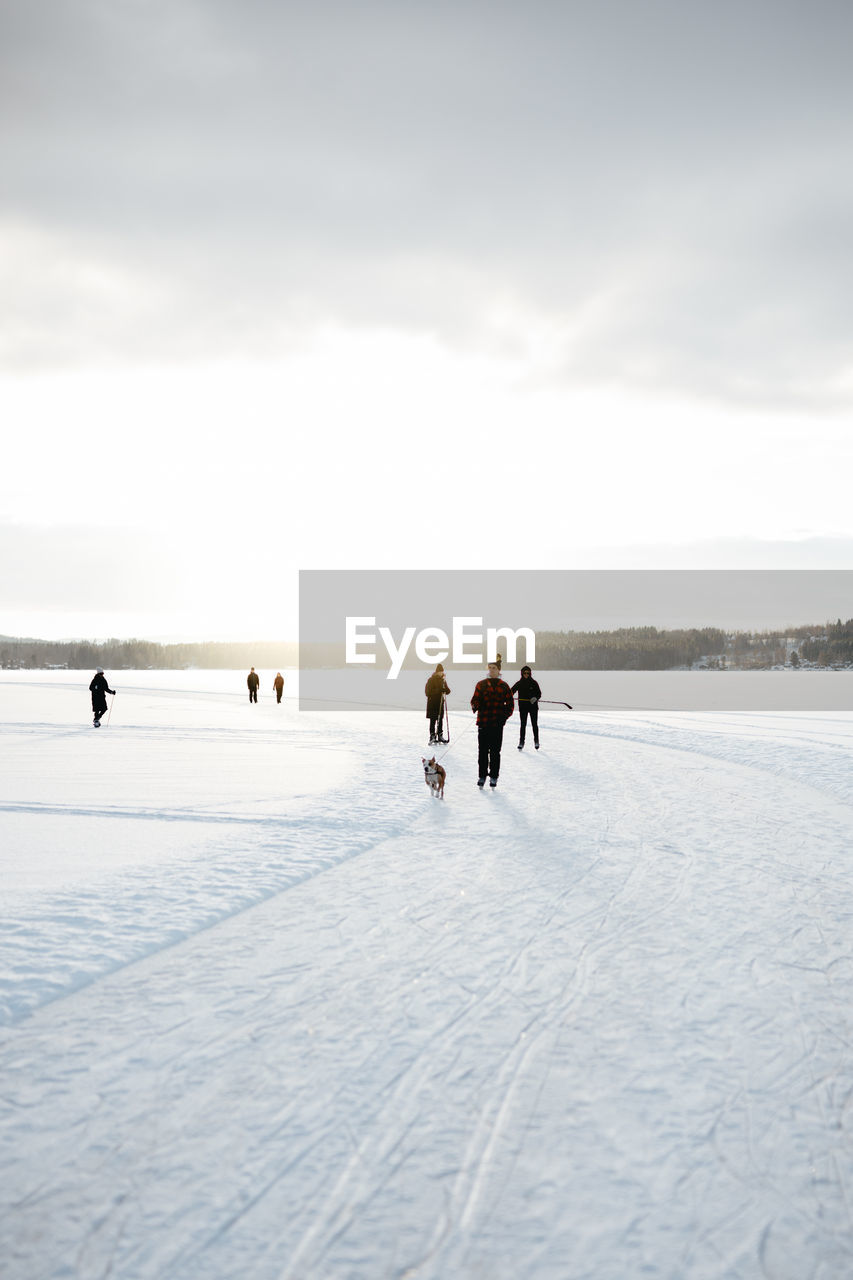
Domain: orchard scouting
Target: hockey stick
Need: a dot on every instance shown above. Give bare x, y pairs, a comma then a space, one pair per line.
553, 702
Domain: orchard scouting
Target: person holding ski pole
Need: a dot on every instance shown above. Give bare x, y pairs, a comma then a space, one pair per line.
99, 690
493, 703
436, 689
253, 680
529, 694
278, 685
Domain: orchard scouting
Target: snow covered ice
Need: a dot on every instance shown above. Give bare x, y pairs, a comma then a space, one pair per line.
270, 1010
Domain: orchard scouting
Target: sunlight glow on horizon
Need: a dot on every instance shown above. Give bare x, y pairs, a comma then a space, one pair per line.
381, 403
379, 450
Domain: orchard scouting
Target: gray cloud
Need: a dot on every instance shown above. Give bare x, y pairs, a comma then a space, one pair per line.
817, 553
666, 183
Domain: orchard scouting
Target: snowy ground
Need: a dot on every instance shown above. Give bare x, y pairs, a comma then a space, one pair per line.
269, 1011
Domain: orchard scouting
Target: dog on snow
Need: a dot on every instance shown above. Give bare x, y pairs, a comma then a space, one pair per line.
434, 776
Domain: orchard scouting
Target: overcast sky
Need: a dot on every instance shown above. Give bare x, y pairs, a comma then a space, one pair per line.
404, 284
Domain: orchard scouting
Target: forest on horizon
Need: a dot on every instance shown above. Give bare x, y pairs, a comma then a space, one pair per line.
623, 649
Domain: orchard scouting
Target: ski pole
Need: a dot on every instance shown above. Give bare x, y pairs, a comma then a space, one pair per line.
110, 711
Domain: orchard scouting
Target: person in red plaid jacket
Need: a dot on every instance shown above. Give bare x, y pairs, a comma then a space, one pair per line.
494, 704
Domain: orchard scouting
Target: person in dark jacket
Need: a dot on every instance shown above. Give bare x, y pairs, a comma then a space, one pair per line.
253, 680
436, 688
493, 703
99, 690
278, 685
529, 694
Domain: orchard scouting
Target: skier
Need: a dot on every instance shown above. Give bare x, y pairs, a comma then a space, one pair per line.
529, 694
278, 685
253, 680
435, 689
494, 705
99, 690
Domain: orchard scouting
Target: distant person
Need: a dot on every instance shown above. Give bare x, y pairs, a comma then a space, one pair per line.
99, 690
493, 703
436, 689
253, 680
529, 694
278, 685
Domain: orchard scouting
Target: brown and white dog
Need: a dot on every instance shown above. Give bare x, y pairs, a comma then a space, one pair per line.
434, 776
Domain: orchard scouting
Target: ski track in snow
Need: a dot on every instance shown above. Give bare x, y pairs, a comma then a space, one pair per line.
596, 1024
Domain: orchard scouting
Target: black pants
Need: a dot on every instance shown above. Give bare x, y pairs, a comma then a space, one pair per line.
491, 738
436, 724
278, 694
253, 695
525, 710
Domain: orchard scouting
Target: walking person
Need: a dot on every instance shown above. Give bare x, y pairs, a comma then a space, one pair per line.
99, 690
436, 689
493, 703
529, 694
278, 685
253, 680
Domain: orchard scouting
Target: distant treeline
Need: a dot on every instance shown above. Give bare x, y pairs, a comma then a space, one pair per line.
625, 649
138, 655
650, 649
833, 648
